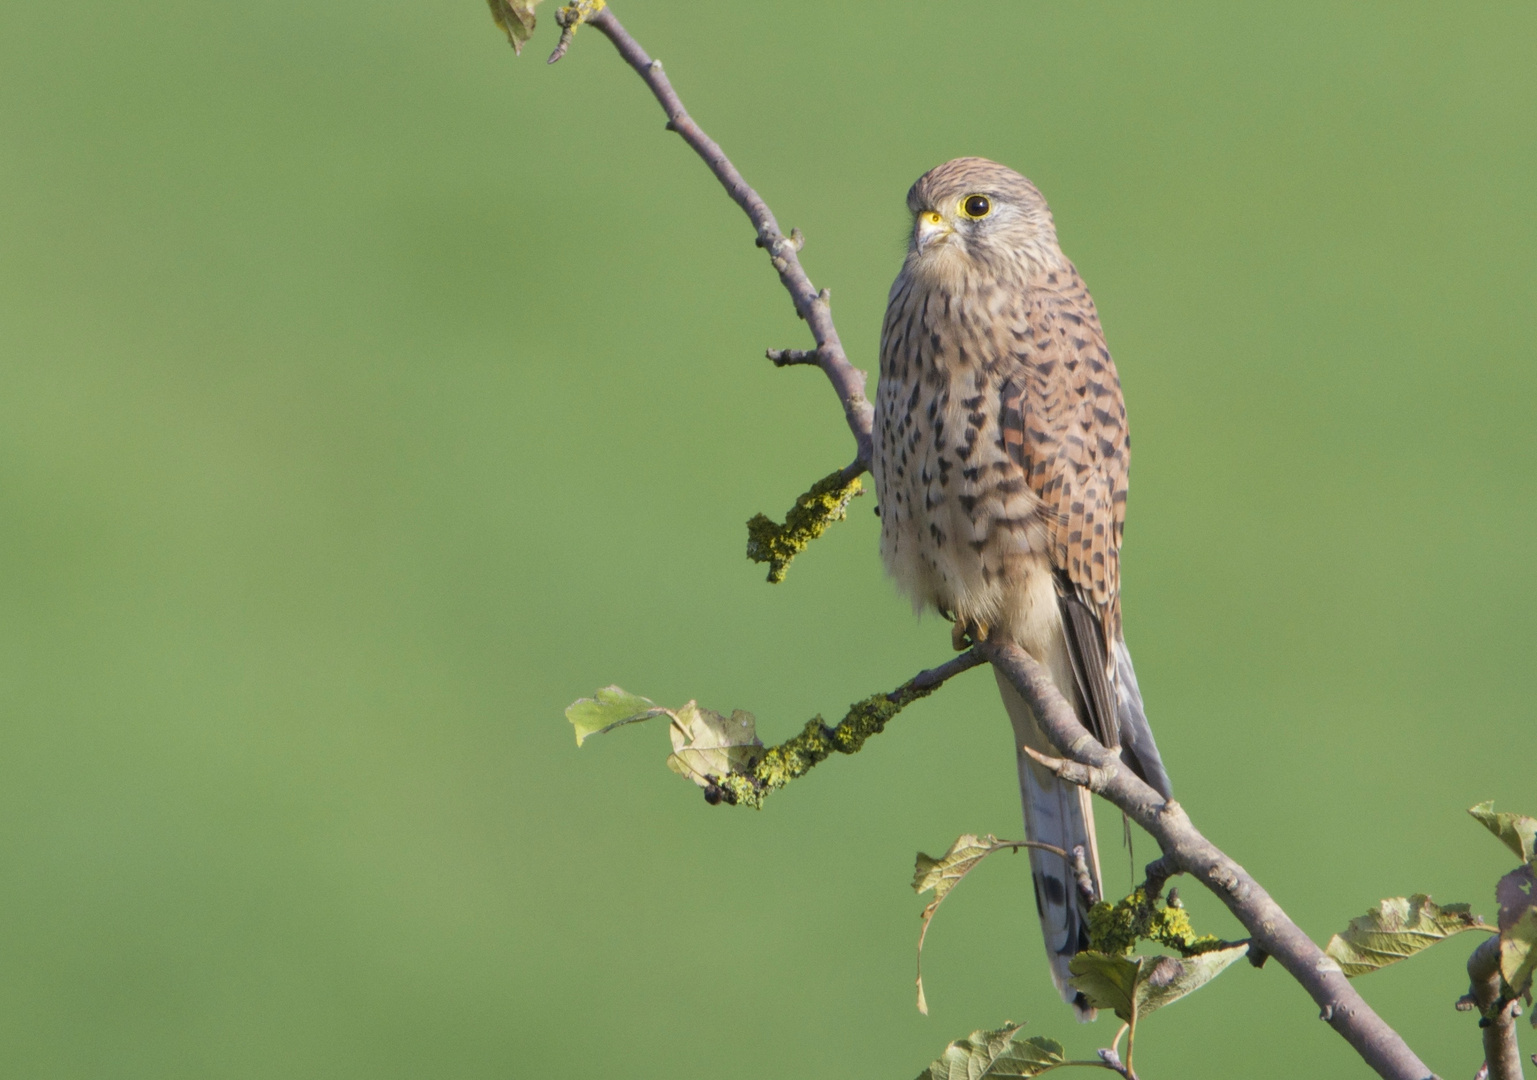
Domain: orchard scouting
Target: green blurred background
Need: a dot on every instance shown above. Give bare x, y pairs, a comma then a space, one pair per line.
369, 395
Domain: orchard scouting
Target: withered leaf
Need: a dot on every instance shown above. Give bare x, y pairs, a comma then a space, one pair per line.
1395, 929
516, 18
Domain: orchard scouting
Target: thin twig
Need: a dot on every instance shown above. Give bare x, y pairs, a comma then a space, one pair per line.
810, 304
1188, 851
1159, 871
788, 357
566, 33
935, 676
1072, 771
1110, 1057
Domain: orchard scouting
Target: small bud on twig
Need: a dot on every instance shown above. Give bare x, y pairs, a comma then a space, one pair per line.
788, 357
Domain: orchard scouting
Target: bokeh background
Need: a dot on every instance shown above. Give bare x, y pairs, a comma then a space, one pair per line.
367, 395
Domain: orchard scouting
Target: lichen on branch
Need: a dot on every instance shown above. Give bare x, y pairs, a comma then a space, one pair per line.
723, 755
1116, 928
794, 758
569, 18
776, 544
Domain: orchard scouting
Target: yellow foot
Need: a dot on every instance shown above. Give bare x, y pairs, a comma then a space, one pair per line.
963, 635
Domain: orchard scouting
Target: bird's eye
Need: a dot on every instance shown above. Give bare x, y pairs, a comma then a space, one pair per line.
976, 206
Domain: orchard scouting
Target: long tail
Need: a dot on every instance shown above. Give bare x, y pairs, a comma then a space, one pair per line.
1137, 746
1059, 813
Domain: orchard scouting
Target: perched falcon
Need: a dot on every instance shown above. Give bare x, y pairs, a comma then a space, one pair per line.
1000, 465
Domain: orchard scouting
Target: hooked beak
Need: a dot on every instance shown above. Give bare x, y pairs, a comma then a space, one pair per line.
930, 227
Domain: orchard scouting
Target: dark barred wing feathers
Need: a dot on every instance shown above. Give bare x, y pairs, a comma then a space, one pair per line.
1064, 422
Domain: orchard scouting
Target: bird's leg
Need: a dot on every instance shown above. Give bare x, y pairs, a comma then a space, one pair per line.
965, 634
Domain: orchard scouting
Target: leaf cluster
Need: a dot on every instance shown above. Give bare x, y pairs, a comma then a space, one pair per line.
706, 745
1108, 977
1133, 986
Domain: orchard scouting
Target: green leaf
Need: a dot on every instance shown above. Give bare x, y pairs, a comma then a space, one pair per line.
1518, 953
516, 18
1517, 831
1108, 981
945, 873
707, 746
942, 875
609, 708
1395, 929
987, 1054
1132, 987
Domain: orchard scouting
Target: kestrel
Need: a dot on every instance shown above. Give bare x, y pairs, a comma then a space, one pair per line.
1000, 464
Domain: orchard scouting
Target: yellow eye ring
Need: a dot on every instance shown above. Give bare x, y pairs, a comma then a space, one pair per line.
976, 206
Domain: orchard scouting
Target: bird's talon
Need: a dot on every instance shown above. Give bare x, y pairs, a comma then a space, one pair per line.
963, 635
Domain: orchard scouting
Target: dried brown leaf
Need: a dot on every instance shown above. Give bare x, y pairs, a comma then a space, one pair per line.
516, 18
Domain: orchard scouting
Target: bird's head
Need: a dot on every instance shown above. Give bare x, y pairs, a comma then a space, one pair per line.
972, 213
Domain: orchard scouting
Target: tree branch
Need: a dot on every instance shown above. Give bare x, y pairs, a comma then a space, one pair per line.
828, 501
1502, 1056
810, 304
794, 758
1187, 851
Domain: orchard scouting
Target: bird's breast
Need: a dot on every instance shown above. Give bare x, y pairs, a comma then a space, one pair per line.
961, 529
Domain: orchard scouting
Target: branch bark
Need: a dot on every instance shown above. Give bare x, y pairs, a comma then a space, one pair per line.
810, 304
1187, 851
1502, 1056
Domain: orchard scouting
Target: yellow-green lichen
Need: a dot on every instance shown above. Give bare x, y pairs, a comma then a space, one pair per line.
794, 758
575, 14
776, 544
1117, 928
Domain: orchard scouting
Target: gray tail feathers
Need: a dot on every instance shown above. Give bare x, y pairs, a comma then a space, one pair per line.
1059, 813
1138, 749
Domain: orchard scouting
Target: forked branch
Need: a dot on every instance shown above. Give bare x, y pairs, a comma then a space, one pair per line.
1185, 850
810, 303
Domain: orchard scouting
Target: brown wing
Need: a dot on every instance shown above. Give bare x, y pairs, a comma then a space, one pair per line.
1064, 422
